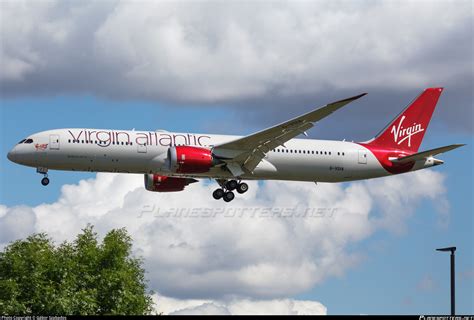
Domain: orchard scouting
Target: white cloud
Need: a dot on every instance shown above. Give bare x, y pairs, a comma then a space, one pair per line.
16, 222
204, 309
170, 306
278, 240
398, 206
204, 52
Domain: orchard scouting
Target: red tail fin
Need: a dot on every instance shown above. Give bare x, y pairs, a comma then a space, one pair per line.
406, 131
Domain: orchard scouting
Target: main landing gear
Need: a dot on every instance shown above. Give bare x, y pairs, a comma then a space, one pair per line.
44, 172
226, 190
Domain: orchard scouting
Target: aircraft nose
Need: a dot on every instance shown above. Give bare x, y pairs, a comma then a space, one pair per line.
11, 156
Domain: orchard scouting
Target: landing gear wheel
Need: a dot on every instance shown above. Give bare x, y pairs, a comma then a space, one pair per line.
231, 185
218, 194
242, 187
45, 181
229, 196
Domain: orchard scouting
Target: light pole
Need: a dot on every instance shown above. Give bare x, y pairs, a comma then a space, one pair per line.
452, 250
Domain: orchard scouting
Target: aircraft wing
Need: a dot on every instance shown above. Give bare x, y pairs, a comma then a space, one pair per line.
426, 154
244, 154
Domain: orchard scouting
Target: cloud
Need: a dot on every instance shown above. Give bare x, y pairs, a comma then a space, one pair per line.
16, 222
269, 56
397, 207
278, 240
204, 309
166, 305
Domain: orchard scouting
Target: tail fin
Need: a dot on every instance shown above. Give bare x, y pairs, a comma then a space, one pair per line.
406, 131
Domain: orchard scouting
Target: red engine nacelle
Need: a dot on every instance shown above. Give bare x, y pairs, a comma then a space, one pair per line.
158, 183
188, 159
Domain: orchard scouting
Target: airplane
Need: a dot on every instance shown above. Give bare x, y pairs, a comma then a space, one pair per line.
171, 161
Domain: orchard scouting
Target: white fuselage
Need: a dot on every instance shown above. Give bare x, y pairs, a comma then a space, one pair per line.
99, 150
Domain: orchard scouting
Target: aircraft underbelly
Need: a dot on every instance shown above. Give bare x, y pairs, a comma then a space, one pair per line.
276, 166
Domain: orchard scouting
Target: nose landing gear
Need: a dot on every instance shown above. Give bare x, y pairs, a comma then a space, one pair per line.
45, 181
44, 172
226, 193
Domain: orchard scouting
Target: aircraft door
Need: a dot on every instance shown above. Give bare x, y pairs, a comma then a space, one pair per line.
141, 148
54, 142
362, 157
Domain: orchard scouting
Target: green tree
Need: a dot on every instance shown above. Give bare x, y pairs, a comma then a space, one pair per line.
79, 278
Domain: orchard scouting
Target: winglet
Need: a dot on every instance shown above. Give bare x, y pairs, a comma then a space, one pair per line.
351, 98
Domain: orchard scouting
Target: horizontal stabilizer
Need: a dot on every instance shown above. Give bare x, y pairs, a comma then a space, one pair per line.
426, 154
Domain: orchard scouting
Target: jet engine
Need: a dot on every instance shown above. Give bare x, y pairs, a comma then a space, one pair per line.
188, 159
158, 183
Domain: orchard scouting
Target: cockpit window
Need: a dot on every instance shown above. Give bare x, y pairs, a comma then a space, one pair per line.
22, 141
29, 141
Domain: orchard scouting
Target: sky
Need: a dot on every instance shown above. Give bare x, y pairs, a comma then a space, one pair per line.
365, 247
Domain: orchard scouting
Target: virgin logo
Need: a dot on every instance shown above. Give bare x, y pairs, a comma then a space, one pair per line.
41, 146
401, 134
